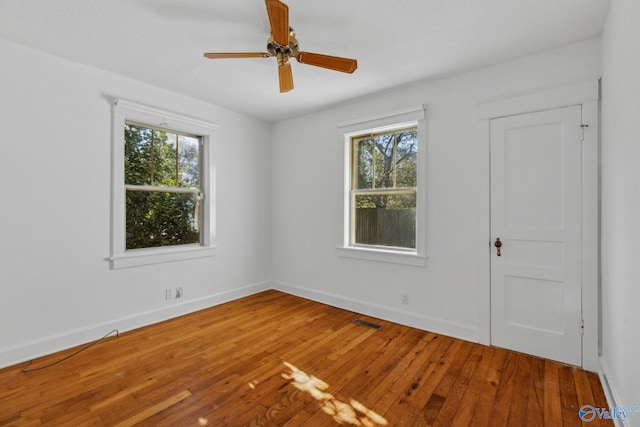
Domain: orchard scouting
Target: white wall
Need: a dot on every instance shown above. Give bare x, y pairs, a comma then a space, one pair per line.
307, 195
278, 203
56, 286
620, 228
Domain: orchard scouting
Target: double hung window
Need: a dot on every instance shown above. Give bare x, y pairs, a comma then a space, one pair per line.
163, 199
384, 189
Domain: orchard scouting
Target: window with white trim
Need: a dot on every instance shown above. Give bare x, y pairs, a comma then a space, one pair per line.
384, 191
162, 186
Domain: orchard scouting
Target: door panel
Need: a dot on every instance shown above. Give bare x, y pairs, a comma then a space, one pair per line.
536, 211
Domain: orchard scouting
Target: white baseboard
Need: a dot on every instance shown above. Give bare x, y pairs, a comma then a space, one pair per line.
610, 392
414, 320
37, 348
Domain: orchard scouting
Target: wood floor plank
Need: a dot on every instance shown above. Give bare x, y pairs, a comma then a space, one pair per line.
482, 413
152, 410
442, 375
535, 397
568, 397
411, 373
518, 408
502, 400
585, 393
458, 389
465, 412
597, 390
233, 365
382, 368
552, 403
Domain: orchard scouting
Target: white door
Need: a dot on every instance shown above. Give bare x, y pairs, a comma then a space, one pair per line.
536, 212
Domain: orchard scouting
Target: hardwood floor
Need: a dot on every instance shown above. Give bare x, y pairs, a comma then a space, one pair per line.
275, 359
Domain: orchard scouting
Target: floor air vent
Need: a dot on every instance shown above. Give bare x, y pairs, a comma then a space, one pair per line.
366, 324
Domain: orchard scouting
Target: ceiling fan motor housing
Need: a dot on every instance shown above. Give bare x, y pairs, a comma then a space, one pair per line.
291, 50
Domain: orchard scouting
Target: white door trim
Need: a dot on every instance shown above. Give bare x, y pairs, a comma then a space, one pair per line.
581, 93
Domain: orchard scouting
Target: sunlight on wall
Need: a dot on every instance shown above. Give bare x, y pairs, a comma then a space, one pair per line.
353, 413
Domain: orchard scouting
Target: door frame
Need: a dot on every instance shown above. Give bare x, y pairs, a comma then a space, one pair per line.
585, 94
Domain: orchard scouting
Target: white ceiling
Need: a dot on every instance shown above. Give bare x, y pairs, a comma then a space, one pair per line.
161, 42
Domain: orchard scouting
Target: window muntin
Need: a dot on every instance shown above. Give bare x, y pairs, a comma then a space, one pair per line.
384, 189
162, 178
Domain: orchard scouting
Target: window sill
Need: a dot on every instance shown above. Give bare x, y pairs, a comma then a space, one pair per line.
138, 257
381, 255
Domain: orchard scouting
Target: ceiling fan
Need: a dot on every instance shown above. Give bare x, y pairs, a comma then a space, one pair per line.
283, 45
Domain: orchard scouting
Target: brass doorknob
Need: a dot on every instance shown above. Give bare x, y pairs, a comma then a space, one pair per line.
498, 245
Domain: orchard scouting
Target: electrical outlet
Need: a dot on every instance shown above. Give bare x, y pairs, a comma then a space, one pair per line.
179, 292
404, 298
168, 293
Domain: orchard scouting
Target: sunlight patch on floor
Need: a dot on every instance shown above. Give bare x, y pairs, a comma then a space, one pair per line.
353, 412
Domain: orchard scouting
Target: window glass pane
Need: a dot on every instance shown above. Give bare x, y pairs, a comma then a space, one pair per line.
156, 219
137, 155
386, 220
164, 156
406, 158
189, 161
161, 158
384, 161
363, 176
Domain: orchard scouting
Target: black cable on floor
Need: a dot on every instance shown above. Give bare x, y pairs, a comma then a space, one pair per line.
24, 368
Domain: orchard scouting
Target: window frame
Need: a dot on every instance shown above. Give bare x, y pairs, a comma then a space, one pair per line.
410, 117
128, 111
151, 187
374, 190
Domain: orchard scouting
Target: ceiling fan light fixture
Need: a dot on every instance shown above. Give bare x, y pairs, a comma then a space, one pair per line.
283, 45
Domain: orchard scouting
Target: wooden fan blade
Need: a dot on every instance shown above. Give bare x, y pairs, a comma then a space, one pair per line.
285, 75
336, 63
279, 21
223, 55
